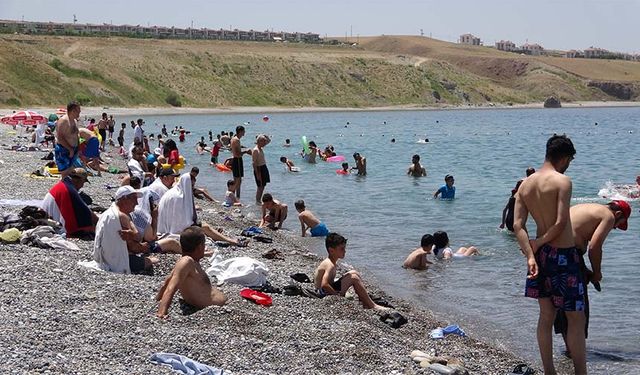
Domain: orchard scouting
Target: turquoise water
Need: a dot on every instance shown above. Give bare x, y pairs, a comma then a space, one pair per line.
385, 213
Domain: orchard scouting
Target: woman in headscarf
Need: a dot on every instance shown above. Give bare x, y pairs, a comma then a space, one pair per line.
176, 212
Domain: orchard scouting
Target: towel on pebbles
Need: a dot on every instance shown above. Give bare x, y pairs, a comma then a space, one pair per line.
185, 365
45, 237
245, 271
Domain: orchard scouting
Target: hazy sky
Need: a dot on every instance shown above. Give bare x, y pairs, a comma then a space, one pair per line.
555, 24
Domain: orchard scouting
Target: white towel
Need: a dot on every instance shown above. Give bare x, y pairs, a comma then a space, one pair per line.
176, 209
109, 249
241, 270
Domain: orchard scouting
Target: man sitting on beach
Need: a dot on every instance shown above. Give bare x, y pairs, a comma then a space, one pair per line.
200, 192
164, 182
274, 212
116, 245
418, 258
66, 150
325, 274
308, 221
64, 205
591, 223
416, 169
188, 277
555, 277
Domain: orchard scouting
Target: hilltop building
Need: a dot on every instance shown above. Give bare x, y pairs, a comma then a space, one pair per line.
532, 49
506, 45
470, 39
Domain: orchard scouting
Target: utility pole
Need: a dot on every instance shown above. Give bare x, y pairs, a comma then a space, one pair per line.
74, 18
421, 32
351, 35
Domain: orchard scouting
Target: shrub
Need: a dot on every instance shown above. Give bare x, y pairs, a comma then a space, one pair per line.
14, 102
173, 99
82, 99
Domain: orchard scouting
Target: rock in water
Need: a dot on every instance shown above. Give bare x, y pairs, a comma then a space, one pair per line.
552, 102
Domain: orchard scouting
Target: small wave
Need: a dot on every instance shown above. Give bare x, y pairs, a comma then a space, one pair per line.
619, 191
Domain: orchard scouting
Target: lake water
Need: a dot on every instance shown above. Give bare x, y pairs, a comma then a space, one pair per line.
385, 213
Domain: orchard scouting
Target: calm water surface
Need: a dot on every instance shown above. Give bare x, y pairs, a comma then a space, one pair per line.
385, 213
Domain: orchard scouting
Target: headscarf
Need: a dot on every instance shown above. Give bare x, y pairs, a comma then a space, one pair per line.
176, 211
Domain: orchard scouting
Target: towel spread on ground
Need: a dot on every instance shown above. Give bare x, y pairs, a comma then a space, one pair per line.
46, 237
65, 205
184, 365
109, 249
176, 211
245, 271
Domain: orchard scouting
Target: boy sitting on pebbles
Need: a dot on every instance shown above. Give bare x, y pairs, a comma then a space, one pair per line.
188, 276
274, 212
325, 274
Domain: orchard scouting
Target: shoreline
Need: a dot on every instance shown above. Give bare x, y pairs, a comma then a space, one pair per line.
70, 319
172, 111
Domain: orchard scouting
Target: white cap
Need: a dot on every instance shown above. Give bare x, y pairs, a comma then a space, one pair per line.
124, 191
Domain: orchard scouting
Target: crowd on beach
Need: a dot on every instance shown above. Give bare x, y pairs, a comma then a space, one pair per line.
155, 211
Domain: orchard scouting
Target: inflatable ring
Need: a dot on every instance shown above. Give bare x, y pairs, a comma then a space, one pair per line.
176, 167
222, 168
336, 159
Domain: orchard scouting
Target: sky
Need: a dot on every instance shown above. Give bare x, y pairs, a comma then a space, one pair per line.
555, 24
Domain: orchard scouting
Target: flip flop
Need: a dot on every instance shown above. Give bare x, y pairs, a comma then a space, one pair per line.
522, 369
301, 277
256, 297
263, 239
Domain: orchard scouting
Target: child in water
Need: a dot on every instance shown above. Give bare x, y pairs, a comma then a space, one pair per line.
446, 191
288, 163
443, 251
344, 170
418, 258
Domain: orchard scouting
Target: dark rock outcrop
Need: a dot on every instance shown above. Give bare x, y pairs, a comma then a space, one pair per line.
552, 102
619, 90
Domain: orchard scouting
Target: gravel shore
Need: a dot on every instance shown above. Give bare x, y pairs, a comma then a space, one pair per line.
58, 317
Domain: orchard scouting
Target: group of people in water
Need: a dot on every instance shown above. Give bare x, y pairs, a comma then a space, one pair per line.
153, 213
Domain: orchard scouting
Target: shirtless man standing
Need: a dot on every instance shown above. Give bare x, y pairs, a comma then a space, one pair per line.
66, 150
554, 273
260, 170
416, 169
591, 223
361, 164
188, 277
103, 125
236, 164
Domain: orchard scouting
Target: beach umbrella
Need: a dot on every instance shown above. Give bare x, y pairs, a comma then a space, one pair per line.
61, 111
24, 118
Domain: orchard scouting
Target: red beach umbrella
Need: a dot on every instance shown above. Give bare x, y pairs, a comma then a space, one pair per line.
61, 111
24, 118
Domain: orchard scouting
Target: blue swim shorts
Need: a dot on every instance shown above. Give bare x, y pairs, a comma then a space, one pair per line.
63, 161
319, 230
559, 278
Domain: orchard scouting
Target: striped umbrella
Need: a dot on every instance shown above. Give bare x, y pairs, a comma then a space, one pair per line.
61, 111
24, 118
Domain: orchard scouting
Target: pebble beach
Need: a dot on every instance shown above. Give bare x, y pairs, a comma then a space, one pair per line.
58, 317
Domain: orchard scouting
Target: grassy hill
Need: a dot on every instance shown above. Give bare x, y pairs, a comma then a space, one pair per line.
381, 71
